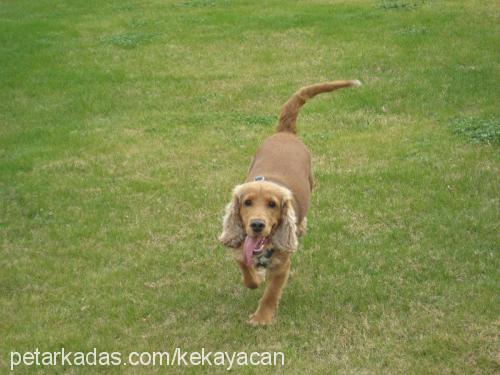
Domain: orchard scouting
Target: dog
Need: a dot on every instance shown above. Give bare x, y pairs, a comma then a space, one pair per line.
267, 213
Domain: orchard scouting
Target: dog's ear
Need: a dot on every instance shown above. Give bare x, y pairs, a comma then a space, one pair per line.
233, 233
285, 237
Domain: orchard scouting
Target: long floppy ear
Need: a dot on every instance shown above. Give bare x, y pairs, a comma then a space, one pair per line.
233, 233
285, 237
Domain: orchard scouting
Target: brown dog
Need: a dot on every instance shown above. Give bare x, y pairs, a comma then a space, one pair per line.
268, 212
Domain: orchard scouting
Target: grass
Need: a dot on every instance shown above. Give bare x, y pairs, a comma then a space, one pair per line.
478, 129
124, 126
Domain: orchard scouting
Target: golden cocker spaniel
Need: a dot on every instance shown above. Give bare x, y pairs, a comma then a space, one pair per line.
267, 213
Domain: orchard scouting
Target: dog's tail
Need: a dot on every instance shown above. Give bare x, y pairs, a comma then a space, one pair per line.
288, 116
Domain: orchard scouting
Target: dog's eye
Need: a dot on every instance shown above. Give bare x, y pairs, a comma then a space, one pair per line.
271, 204
247, 202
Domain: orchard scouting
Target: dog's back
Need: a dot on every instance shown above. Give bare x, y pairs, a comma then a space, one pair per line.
283, 158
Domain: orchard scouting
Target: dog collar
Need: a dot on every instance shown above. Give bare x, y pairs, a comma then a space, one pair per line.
262, 178
264, 259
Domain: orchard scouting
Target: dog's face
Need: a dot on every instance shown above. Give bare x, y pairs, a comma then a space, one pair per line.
260, 209
262, 212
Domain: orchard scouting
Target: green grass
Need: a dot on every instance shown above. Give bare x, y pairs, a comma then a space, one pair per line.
124, 126
478, 130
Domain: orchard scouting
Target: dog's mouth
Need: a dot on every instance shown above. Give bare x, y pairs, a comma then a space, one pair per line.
253, 245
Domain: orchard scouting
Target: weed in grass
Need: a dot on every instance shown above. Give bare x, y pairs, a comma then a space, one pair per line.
478, 130
128, 40
400, 4
413, 30
202, 3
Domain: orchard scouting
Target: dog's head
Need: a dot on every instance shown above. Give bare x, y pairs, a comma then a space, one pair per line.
260, 212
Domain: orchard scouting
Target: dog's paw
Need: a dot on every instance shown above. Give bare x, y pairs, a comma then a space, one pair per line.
251, 284
253, 279
257, 319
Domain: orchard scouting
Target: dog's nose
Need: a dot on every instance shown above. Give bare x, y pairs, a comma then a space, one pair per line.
257, 225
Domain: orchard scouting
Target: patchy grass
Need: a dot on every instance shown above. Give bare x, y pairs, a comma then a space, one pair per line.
128, 40
400, 4
478, 130
124, 126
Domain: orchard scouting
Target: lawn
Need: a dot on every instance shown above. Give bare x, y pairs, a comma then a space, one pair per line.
124, 126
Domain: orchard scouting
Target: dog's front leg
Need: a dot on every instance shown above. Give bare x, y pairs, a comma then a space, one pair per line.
249, 276
268, 304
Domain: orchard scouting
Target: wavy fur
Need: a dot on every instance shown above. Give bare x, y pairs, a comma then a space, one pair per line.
285, 237
233, 233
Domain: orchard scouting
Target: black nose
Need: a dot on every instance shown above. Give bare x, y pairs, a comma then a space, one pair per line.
257, 225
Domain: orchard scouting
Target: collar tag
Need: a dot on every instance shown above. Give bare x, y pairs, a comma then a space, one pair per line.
260, 178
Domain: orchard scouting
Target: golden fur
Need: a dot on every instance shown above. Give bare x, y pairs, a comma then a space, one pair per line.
281, 220
275, 198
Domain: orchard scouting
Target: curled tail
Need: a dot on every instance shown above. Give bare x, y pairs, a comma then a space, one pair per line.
288, 116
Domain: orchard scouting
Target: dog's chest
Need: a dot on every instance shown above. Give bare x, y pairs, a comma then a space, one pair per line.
264, 259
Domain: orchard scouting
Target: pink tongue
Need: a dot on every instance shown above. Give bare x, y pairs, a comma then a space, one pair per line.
249, 246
